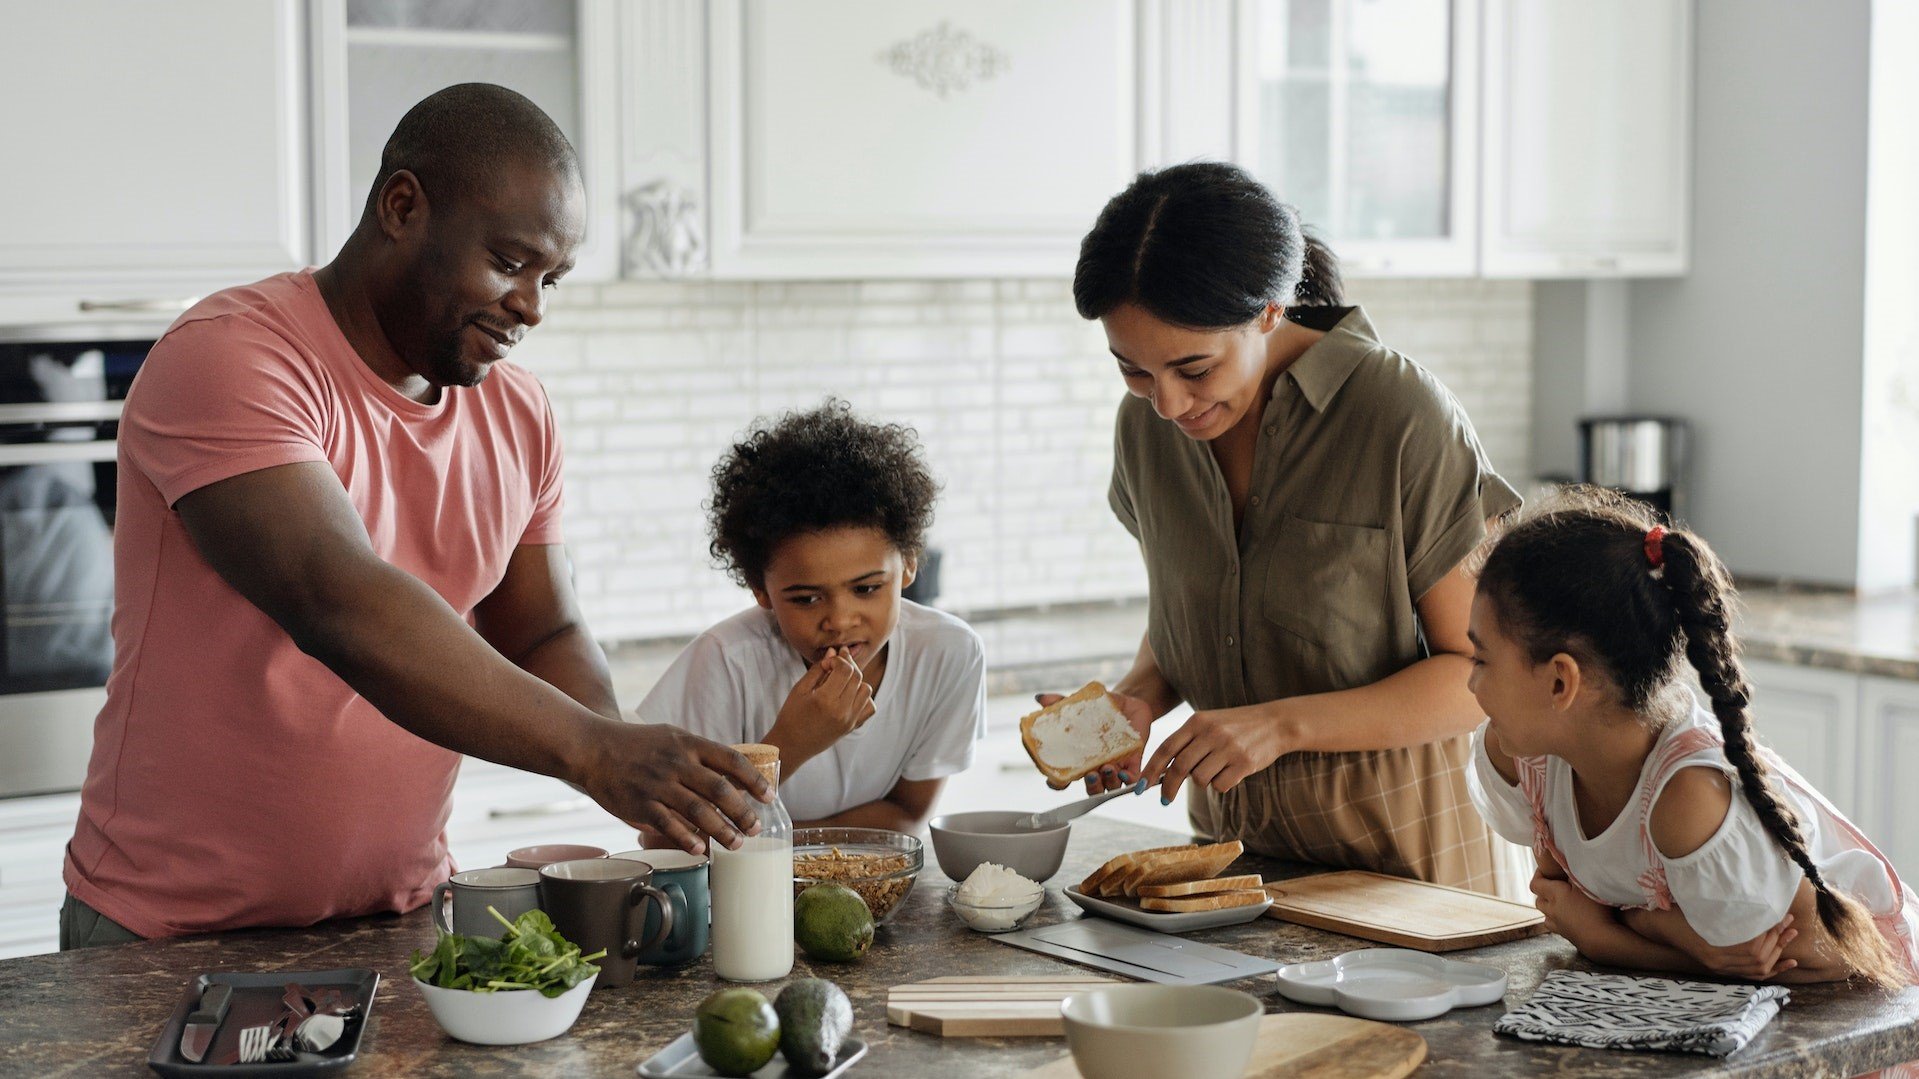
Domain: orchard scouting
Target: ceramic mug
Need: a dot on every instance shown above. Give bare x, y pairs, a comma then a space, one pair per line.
602, 903
545, 854
510, 891
682, 877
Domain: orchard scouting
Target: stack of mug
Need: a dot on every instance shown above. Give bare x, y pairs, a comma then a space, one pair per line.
642, 906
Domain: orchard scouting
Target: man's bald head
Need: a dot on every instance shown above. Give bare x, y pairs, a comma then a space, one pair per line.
459, 141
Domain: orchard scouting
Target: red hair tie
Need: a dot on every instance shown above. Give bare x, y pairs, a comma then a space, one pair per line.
1655, 553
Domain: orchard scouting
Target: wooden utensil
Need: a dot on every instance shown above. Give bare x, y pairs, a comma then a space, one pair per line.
1401, 912
980, 1007
1303, 1046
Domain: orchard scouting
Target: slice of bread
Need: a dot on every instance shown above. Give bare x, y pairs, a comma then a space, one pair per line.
1117, 863
1078, 735
1172, 867
1182, 904
1201, 887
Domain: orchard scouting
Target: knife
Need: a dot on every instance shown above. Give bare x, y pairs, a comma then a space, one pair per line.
197, 1036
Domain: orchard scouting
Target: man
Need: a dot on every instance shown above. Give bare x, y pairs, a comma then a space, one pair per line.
338, 568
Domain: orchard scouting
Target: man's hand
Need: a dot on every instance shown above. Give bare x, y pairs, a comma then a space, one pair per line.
830, 701
1217, 749
1126, 772
677, 785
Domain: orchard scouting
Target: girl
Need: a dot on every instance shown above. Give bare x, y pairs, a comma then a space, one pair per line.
1668, 839
872, 699
1303, 497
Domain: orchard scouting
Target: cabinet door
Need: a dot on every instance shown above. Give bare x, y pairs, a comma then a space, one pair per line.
870, 138
33, 842
1889, 798
152, 145
1587, 137
1811, 718
1364, 115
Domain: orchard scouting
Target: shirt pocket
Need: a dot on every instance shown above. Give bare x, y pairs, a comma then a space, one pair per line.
1326, 583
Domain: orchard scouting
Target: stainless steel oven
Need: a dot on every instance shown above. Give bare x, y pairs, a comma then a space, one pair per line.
60, 402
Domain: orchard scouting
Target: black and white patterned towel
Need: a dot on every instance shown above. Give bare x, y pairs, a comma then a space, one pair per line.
1613, 1011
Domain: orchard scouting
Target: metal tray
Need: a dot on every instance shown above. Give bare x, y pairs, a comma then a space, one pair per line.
256, 1000
1138, 953
681, 1060
1164, 921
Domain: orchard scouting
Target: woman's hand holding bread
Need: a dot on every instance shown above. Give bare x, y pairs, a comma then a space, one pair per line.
1124, 772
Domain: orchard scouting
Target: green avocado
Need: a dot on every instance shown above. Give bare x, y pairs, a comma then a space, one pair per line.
831, 922
815, 1017
736, 1031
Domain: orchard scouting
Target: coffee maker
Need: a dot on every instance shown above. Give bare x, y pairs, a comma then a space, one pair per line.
1641, 456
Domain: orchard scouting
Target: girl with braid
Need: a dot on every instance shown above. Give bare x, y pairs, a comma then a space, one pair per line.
1668, 838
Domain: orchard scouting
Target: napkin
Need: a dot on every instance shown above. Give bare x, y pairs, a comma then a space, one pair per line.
1614, 1011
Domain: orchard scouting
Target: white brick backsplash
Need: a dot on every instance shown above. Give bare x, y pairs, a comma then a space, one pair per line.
1011, 392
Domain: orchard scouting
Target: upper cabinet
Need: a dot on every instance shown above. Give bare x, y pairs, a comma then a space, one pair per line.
1362, 113
155, 150
1588, 138
373, 59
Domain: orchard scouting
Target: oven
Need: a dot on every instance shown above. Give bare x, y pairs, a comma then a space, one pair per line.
60, 402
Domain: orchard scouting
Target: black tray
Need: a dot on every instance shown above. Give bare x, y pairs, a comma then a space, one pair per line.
256, 1000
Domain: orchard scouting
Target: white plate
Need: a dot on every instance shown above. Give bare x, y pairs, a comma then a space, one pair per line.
1394, 984
681, 1060
1164, 921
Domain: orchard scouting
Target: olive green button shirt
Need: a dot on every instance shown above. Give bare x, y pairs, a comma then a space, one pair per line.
1368, 487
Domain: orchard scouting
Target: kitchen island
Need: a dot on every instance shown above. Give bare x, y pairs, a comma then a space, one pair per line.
98, 1012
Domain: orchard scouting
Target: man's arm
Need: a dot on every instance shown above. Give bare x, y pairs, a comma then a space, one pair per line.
288, 540
533, 619
904, 809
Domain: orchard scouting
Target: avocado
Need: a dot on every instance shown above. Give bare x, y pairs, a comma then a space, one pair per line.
815, 1017
736, 1031
832, 922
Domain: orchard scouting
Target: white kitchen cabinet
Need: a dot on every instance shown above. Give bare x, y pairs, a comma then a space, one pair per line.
870, 138
1364, 114
496, 809
374, 59
1587, 134
153, 150
33, 842
1810, 717
1889, 728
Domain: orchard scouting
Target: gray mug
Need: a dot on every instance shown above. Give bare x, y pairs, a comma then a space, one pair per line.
512, 892
682, 877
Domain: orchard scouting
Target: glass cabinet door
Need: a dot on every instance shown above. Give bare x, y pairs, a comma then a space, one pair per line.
1361, 113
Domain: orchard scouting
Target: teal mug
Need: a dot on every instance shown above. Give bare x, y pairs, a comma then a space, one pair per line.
682, 877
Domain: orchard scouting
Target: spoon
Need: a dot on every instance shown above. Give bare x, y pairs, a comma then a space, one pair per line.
1052, 817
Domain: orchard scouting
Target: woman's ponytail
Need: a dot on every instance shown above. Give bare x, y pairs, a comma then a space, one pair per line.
1320, 284
1701, 590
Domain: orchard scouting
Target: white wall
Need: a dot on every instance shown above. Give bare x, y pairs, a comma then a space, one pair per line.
1759, 344
1013, 396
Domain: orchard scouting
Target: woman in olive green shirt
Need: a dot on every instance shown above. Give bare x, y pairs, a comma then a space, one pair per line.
1304, 497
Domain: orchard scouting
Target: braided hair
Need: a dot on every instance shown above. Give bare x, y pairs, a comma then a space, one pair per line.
1577, 577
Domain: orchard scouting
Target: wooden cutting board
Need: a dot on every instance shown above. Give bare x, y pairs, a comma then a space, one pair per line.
1401, 912
1302, 1046
981, 1007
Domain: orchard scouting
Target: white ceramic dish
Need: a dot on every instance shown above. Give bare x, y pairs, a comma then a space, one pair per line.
1396, 985
1163, 921
513, 1017
995, 917
681, 1060
1192, 1031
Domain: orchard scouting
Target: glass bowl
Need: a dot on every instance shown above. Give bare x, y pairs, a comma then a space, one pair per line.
880, 865
996, 915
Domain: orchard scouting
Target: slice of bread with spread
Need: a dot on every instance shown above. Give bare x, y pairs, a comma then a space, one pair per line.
1078, 735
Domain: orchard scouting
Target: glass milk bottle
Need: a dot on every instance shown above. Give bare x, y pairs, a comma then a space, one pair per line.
753, 889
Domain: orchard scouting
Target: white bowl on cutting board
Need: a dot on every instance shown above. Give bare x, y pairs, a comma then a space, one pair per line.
1396, 985
1141, 1031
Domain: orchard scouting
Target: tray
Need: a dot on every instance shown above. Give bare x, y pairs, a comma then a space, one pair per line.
1138, 953
681, 1060
256, 999
1393, 984
1164, 921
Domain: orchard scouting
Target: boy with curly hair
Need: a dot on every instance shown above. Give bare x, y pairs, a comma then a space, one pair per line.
873, 700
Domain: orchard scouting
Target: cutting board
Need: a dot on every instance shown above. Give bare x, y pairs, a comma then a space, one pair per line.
981, 1007
1401, 912
1301, 1046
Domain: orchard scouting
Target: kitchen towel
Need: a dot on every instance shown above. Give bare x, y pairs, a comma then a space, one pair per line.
1613, 1011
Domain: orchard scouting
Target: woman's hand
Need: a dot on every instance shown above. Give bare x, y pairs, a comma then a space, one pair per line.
1218, 749
1572, 913
1126, 772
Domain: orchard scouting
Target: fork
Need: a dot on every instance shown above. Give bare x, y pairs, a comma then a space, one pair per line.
254, 1043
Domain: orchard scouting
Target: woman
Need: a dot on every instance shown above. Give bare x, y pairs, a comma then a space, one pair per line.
1303, 497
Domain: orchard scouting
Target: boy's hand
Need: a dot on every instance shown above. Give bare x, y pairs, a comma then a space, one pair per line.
830, 701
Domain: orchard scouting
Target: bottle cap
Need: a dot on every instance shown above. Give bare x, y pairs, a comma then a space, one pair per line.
764, 757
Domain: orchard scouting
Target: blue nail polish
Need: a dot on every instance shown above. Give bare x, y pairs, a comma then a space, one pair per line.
1124, 777
1140, 787
1165, 801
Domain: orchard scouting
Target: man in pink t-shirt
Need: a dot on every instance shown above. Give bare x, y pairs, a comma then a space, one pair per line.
338, 567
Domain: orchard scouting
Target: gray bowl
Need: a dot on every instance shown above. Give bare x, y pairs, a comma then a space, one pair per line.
961, 841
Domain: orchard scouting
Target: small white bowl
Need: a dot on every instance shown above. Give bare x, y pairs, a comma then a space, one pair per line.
509, 1017
1000, 916
1192, 1031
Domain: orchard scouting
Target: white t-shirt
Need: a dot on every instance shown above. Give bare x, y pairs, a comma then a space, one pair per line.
729, 684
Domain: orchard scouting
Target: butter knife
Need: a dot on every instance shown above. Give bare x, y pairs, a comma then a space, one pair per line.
1061, 815
197, 1036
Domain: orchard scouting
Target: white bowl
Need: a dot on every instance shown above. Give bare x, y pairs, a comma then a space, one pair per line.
961, 841
995, 916
1192, 1031
510, 1017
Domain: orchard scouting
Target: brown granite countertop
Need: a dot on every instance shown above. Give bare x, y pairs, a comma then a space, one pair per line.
98, 1012
1875, 634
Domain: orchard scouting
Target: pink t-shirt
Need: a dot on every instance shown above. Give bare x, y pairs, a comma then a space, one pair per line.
236, 781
